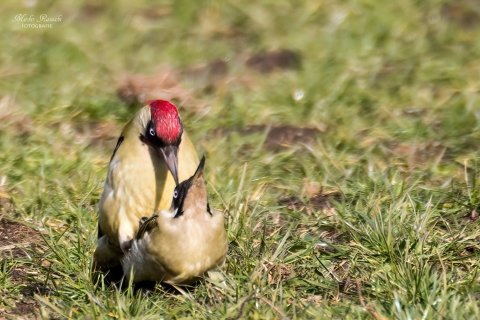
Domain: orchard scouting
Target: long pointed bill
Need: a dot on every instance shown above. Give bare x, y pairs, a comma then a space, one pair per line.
199, 171
170, 155
182, 190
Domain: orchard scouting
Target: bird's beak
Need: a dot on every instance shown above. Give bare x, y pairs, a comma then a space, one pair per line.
199, 172
170, 155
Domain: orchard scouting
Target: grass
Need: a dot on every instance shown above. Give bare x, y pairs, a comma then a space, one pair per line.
374, 217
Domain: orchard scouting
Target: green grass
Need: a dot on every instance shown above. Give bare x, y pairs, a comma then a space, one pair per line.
393, 87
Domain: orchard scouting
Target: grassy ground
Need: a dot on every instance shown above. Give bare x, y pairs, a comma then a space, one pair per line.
347, 173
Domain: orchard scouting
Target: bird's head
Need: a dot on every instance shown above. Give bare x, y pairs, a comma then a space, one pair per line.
191, 195
163, 133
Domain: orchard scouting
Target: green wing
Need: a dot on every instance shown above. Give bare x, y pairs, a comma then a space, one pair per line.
147, 226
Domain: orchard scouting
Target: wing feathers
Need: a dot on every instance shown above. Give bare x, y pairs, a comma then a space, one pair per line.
147, 226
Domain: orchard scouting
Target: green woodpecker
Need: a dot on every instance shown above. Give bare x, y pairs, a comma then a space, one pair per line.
152, 154
178, 246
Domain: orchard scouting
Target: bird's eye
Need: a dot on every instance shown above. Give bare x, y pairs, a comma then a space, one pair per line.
152, 132
175, 194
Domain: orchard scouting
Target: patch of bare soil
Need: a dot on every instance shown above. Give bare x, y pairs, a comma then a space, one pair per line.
207, 75
23, 305
16, 240
418, 153
466, 13
284, 136
154, 13
287, 136
410, 153
91, 11
25, 308
269, 61
319, 201
14, 237
166, 84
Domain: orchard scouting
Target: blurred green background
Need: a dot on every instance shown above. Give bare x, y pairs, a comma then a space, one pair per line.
341, 141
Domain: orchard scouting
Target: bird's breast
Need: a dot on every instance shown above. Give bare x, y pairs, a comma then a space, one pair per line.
138, 185
187, 248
